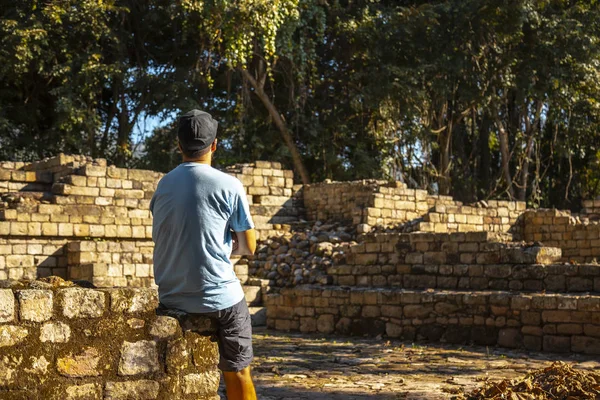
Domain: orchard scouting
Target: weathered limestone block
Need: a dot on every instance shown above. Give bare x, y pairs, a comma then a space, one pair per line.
7, 305
587, 345
201, 384
557, 344
11, 335
178, 356
138, 358
86, 391
80, 365
55, 332
133, 301
164, 327
510, 338
204, 352
83, 303
326, 323
139, 390
35, 305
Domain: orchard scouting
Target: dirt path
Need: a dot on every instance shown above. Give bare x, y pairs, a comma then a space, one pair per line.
301, 367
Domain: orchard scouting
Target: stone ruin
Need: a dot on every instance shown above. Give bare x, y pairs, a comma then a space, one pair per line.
362, 258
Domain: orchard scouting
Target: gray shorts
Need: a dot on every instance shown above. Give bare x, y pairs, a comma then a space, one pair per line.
234, 333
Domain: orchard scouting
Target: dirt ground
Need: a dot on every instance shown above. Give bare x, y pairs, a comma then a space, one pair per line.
294, 366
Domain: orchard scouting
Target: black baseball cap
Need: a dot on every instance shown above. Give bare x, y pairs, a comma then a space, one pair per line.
197, 130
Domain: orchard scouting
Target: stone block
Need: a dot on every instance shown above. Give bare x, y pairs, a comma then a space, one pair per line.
5, 228
11, 335
83, 364
592, 330
557, 344
82, 303
86, 391
138, 358
55, 332
35, 305
569, 329
578, 284
371, 312
418, 311
393, 330
23, 261
178, 356
133, 300
497, 271
584, 344
142, 390
7, 305
203, 384
205, 354
164, 327
326, 323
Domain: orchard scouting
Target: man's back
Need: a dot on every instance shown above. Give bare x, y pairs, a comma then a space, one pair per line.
194, 208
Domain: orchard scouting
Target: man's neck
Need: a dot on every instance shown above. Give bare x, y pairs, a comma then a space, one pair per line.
202, 160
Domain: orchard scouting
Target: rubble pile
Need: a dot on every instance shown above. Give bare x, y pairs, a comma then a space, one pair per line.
558, 381
302, 256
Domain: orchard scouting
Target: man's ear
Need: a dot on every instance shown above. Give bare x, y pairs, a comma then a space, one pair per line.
213, 147
179, 146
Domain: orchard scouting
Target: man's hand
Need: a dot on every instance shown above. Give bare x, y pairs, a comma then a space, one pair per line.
245, 243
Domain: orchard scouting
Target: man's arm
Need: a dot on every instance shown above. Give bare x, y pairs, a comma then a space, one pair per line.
246, 243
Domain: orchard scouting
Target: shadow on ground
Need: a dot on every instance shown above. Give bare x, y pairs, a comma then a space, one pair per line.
294, 366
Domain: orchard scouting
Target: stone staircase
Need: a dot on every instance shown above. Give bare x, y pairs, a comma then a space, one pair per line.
473, 287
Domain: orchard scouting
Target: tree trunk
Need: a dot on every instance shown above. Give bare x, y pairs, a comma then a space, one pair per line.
532, 129
445, 146
122, 134
505, 154
484, 155
280, 123
525, 170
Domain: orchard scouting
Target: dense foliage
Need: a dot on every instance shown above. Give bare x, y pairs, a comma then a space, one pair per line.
474, 98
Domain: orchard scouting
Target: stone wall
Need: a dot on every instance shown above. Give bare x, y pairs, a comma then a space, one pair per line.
366, 202
489, 216
537, 321
83, 203
112, 263
67, 343
476, 261
380, 203
27, 258
275, 202
591, 209
579, 239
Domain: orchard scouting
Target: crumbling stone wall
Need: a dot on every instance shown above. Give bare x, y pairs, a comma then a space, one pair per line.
52, 209
274, 200
591, 209
535, 321
488, 216
579, 239
66, 342
391, 260
380, 203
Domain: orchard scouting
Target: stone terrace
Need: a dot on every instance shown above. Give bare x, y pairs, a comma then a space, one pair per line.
451, 272
413, 265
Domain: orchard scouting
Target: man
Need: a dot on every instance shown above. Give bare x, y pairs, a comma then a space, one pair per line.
201, 217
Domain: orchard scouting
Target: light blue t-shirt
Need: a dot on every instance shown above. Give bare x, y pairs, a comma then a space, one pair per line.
194, 207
